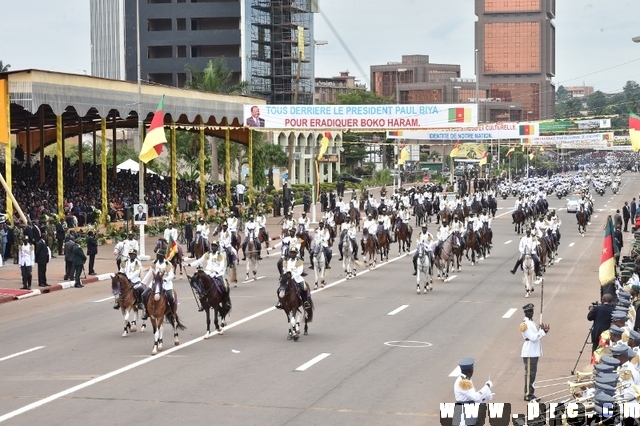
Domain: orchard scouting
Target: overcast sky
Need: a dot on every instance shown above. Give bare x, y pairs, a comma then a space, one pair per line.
593, 37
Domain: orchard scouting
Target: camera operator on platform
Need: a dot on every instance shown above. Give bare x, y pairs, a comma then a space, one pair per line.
600, 314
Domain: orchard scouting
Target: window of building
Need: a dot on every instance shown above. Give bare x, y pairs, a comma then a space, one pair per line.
181, 51
208, 24
214, 51
159, 25
182, 79
181, 24
158, 1
159, 52
165, 79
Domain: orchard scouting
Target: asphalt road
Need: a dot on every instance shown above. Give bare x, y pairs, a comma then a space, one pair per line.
377, 353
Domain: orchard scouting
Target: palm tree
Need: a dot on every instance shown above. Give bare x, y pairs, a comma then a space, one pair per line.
3, 67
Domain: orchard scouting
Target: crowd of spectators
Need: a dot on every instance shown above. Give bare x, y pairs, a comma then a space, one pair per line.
83, 196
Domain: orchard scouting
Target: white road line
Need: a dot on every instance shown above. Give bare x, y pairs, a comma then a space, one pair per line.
509, 313
250, 280
395, 311
572, 244
103, 300
313, 361
20, 353
455, 372
452, 277
557, 260
508, 241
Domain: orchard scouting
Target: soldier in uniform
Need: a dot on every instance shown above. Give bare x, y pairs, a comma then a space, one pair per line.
162, 267
251, 229
464, 393
132, 267
214, 264
426, 239
26, 259
531, 350
295, 266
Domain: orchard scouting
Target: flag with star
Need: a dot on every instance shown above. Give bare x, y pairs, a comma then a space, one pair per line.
455, 149
607, 270
511, 151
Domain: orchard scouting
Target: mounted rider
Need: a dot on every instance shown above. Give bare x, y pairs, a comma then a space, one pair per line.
371, 226
584, 206
351, 228
323, 236
528, 245
251, 229
214, 263
171, 233
384, 224
459, 232
519, 205
427, 241
202, 231
224, 240
289, 222
443, 233
304, 224
129, 244
261, 220
485, 221
327, 217
232, 225
287, 243
161, 267
132, 267
295, 266
555, 225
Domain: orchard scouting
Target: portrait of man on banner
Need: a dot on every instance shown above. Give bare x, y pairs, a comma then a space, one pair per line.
140, 214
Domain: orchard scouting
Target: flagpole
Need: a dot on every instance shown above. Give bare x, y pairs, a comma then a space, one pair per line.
141, 166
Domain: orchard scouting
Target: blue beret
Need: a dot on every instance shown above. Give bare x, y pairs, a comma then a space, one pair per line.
466, 364
605, 389
609, 360
614, 329
624, 303
624, 294
607, 379
601, 399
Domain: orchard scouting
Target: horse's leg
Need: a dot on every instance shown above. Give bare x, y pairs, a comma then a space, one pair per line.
156, 336
160, 333
216, 324
127, 324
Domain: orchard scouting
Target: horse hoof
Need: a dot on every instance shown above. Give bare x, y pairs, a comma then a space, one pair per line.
418, 289
206, 335
176, 343
221, 332
306, 333
133, 329
296, 337
125, 334
473, 263
154, 351
143, 328
527, 295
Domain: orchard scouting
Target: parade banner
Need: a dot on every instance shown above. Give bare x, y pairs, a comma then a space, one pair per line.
361, 117
571, 141
484, 132
469, 151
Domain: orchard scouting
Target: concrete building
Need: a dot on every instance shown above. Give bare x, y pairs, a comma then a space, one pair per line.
107, 39
516, 53
327, 88
579, 91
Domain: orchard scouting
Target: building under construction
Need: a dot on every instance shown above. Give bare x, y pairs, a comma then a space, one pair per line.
282, 50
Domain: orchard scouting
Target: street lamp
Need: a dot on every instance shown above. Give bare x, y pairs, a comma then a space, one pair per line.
477, 87
395, 148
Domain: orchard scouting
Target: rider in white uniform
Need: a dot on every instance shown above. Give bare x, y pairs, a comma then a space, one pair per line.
224, 239
171, 233
132, 267
371, 226
323, 236
288, 223
443, 233
426, 239
214, 263
130, 244
251, 229
261, 220
527, 245
203, 230
457, 228
295, 266
162, 267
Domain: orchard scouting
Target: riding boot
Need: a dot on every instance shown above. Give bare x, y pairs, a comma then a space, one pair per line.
305, 302
170, 301
340, 250
278, 304
328, 255
244, 251
227, 300
355, 251
518, 264
415, 266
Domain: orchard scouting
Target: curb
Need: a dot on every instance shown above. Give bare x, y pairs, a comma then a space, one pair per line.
4, 298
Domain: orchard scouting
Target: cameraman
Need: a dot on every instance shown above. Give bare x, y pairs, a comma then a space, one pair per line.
601, 317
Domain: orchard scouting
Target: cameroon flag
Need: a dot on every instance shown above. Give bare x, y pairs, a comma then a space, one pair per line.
152, 145
634, 131
607, 270
173, 248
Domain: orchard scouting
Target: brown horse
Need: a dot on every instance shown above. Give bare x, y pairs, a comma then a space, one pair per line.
176, 259
519, 219
403, 236
210, 296
288, 293
383, 244
305, 243
199, 247
125, 295
158, 310
445, 215
354, 214
485, 241
472, 244
582, 222
263, 237
368, 249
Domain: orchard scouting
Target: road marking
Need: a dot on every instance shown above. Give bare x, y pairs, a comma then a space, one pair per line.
451, 277
557, 260
595, 215
456, 372
313, 361
572, 244
250, 280
18, 354
509, 313
508, 241
103, 300
395, 311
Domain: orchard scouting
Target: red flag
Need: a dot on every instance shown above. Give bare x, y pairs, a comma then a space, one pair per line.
634, 131
511, 151
454, 150
152, 145
607, 269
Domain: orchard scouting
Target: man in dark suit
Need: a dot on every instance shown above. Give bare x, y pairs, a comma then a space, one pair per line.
601, 317
619, 239
306, 202
141, 216
60, 230
42, 258
626, 215
68, 257
78, 263
632, 211
617, 219
255, 120
92, 250
324, 201
188, 235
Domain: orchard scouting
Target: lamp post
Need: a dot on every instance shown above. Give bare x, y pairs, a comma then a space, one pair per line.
395, 147
314, 160
477, 86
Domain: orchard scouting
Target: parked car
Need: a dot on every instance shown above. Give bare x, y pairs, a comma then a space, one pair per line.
350, 178
573, 203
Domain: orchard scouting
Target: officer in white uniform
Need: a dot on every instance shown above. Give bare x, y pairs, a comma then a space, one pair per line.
531, 349
171, 233
132, 267
295, 266
251, 229
464, 393
527, 245
426, 239
214, 264
162, 267
371, 226
203, 230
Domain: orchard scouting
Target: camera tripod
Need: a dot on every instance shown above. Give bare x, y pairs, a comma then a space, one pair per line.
586, 340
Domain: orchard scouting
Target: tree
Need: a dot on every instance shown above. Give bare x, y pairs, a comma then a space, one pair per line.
273, 156
354, 150
216, 78
4, 68
561, 94
631, 92
597, 103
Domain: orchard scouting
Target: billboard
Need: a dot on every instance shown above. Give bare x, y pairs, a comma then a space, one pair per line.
484, 132
361, 117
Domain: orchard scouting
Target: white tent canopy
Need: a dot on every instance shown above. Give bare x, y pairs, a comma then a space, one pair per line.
133, 166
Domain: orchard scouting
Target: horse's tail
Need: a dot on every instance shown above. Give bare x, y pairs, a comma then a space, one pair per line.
309, 311
178, 324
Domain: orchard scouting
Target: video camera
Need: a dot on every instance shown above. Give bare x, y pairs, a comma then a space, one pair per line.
594, 304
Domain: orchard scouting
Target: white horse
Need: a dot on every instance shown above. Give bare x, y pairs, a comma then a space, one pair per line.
529, 273
348, 261
252, 259
424, 268
319, 262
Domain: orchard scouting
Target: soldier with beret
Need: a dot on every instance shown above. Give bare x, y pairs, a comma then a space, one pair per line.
464, 392
531, 349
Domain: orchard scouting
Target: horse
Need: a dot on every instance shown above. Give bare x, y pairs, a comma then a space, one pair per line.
288, 294
444, 259
354, 214
445, 215
348, 261
263, 237
582, 222
158, 311
339, 218
209, 293
199, 246
383, 243
368, 249
457, 252
518, 218
319, 262
472, 244
124, 293
305, 242
493, 205
529, 273
252, 259
403, 235
485, 241
424, 268
176, 259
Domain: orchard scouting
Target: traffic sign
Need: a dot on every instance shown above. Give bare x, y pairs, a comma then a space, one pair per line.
425, 179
